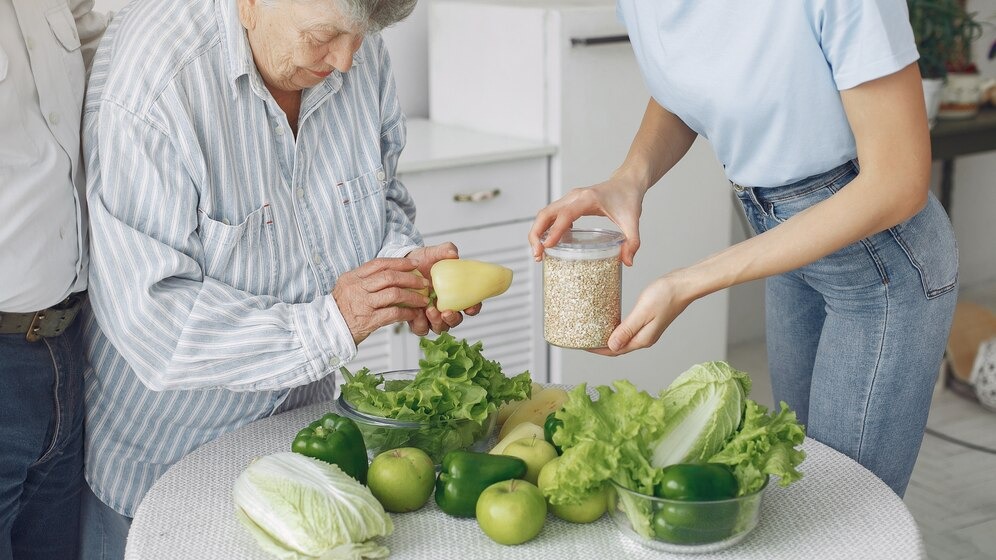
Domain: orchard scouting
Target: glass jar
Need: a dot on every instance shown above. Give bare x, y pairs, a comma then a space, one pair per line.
582, 288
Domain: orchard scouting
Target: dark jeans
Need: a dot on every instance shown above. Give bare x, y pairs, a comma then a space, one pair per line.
41, 445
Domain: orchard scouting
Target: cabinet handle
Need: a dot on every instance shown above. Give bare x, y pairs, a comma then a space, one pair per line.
591, 41
479, 196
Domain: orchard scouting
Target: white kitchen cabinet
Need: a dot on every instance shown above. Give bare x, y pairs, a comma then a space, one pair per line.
479, 191
563, 72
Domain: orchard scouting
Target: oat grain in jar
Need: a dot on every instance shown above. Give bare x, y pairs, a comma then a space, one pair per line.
582, 288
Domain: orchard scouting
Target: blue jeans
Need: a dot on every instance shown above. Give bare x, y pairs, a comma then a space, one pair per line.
855, 340
104, 532
41, 445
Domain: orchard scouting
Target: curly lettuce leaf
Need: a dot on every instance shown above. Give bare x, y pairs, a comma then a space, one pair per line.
608, 439
454, 382
764, 445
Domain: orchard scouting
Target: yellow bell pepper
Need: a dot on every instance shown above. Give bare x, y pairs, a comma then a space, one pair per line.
462, 283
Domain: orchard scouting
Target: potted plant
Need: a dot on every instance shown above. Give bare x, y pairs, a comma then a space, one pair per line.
944, 32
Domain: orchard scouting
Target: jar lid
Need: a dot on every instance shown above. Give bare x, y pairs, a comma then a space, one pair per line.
588, 240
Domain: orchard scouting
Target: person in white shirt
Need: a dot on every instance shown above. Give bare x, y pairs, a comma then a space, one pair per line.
45, 46
816, 111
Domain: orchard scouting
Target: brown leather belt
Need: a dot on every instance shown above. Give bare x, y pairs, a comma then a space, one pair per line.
45, 323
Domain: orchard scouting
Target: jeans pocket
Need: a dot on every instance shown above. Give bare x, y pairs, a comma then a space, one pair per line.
929, 242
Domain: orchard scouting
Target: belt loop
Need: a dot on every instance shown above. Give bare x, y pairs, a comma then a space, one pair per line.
752, 193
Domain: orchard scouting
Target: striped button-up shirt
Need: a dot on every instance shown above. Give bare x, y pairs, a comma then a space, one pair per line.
218, 236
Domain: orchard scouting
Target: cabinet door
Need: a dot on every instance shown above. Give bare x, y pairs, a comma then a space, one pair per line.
509, 326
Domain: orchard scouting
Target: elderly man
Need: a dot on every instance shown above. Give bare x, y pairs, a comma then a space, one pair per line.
248, 228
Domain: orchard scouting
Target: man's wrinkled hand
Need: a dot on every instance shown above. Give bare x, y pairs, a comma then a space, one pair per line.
378, 293
432, 318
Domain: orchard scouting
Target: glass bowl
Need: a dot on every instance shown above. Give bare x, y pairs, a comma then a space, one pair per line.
381, 433
684, 527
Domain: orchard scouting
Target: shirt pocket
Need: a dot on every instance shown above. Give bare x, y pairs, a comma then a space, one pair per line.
243, 255
364, 204
929, 242
63, 26
17, 147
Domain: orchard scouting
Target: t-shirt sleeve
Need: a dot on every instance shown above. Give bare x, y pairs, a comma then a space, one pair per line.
866, 39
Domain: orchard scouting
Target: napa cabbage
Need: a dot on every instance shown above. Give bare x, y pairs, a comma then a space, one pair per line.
705, 406
300, 508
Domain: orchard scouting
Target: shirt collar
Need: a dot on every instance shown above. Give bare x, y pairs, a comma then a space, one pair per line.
239, 54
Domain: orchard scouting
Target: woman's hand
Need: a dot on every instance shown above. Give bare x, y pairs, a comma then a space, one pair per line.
432, 318
619, 199
656, 308
378, 293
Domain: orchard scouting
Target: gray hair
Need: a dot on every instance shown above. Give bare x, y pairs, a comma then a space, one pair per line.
375, 15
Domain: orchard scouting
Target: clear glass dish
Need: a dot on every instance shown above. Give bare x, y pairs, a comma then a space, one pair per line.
684, 527
381, 433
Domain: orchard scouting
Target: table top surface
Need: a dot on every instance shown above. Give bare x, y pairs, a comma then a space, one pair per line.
985, 120
838, 510
950, 138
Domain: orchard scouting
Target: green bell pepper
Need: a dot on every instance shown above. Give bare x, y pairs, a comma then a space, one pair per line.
465, 474
551, 425
689, 523
696, 482
335, 439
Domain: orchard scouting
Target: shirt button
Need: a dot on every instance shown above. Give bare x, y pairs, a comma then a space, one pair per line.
226, 222
30, 42
279, 130
300, 193
53, 118
381, 176
316, 257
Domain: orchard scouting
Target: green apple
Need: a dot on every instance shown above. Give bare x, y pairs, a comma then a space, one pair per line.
402, 479
535, 451
590, 508
511, 511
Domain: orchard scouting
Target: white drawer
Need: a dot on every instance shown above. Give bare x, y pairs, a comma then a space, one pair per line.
473, 196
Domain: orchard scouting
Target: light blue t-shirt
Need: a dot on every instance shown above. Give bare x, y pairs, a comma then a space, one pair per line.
760, 79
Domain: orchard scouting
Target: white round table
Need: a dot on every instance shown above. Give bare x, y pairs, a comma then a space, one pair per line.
838, 510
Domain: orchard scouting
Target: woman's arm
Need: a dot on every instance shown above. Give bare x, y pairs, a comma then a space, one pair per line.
661, 141
888, 118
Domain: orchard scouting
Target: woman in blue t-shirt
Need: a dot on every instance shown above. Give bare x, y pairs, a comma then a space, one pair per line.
816, 110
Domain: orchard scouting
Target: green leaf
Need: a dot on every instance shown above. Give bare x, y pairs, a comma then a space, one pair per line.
765, 445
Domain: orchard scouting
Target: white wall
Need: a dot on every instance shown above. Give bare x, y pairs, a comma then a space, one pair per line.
973, 204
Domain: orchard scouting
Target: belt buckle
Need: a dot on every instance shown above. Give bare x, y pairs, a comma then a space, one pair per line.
35, 326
